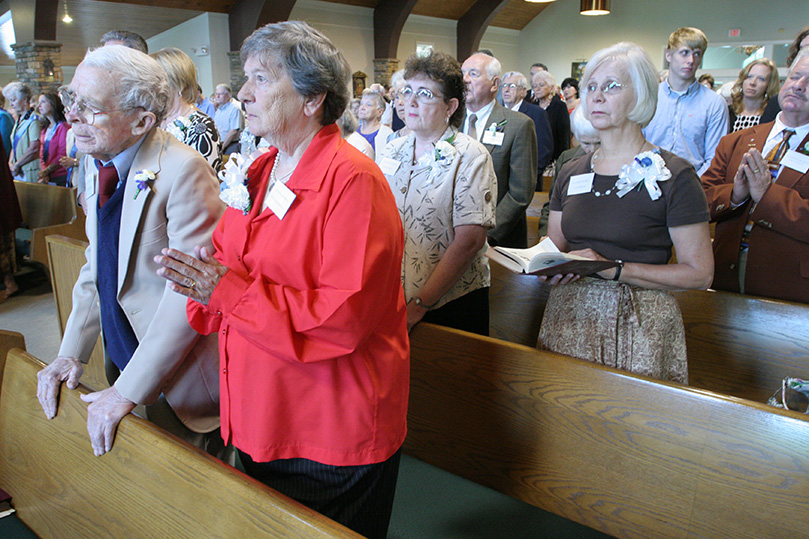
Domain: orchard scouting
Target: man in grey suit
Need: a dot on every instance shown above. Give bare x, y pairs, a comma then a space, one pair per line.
146, 192
511, 140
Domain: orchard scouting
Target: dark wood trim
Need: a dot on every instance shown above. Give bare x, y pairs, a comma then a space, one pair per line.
473, 24
247, 15
45, 20
389, 19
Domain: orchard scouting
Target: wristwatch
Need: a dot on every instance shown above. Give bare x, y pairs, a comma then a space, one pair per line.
417, 301
618, 270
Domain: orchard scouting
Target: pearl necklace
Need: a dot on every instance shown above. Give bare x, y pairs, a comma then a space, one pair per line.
273, 177
593, 169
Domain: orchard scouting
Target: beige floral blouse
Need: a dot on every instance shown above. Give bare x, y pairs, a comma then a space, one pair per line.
453, 185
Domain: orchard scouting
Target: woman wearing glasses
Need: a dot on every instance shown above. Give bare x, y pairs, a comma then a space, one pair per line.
446, 191
629, 202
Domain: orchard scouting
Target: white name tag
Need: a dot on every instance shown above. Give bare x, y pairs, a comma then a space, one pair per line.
493, 137
580, 184
796, 161
389, 166
279, 199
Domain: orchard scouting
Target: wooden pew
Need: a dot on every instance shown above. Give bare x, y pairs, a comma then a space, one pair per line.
616, 452
66, 258
8, 340
46, 210
737, 345
743, 345
150, 485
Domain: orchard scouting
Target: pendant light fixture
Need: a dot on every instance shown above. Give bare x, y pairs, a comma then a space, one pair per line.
595, 7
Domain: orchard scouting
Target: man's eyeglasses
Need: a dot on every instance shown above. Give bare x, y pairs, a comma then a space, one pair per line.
511, 86
423, 95
79, 108
608, 88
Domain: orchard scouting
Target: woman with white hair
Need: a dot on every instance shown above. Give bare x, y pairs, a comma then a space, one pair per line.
544, 85
24, 152
183, 119
629, 202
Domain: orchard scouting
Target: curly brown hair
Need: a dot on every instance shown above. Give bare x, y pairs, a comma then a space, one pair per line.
796, 46
446, 71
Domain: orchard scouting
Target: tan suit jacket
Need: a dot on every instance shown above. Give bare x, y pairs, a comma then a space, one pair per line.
180, 210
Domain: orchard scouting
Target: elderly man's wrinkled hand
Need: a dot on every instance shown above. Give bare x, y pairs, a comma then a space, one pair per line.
106, 410
49, 380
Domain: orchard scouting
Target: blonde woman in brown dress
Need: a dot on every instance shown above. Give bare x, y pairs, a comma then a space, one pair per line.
629, 202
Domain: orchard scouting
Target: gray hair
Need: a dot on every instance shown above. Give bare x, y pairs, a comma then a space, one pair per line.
580, 125
549, 79
642, 73
15, 89
398, 79
376, 96
520, 79
347, 123
225, 87
127, 38
140, 82
312, 62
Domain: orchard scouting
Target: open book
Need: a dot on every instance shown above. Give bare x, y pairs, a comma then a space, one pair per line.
544, 258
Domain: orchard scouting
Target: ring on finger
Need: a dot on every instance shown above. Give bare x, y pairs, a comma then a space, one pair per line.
193, 284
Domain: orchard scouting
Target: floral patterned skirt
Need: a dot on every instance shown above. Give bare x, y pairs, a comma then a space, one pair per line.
618, 325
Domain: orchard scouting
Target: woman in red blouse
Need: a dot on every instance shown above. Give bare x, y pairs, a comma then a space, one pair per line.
304, 291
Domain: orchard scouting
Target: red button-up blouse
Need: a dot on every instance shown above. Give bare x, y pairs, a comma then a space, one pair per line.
311, 316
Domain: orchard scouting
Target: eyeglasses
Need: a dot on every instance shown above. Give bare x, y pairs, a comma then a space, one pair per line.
71, 103
423, 95
608, 88
511, 86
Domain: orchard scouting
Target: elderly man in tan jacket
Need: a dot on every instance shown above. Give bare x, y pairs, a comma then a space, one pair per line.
146, 191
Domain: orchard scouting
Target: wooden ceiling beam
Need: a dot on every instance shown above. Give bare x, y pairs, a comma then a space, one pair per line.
247, 15
472, 25
45, 20
216, 6
389, 19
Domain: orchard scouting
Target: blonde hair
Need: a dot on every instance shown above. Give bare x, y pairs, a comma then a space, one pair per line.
690, 37
181, 71
773, 85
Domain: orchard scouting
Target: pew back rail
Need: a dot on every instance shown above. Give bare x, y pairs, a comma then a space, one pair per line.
150, 485
616, 452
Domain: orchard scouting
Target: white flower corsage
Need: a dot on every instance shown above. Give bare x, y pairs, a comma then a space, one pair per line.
444, 150
142, 179
647, 168
233, 190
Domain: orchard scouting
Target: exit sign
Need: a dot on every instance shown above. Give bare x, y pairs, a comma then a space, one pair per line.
734, 32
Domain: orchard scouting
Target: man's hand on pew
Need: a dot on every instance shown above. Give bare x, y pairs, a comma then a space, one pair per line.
49, 380
106, 410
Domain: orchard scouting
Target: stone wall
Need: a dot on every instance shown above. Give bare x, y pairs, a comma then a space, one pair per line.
39, 64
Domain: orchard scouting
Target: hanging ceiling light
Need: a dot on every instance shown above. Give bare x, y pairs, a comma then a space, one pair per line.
540, 1
595, 7
67, 18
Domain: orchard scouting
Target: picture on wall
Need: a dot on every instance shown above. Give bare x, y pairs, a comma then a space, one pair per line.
577, 69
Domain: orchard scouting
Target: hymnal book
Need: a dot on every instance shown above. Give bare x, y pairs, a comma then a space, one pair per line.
544, 258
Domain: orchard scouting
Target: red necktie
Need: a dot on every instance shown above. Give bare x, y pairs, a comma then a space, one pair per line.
107, 182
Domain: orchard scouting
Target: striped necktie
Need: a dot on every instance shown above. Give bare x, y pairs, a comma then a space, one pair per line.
779, 151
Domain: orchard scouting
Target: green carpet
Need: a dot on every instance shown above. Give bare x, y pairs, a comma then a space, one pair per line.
432, 503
